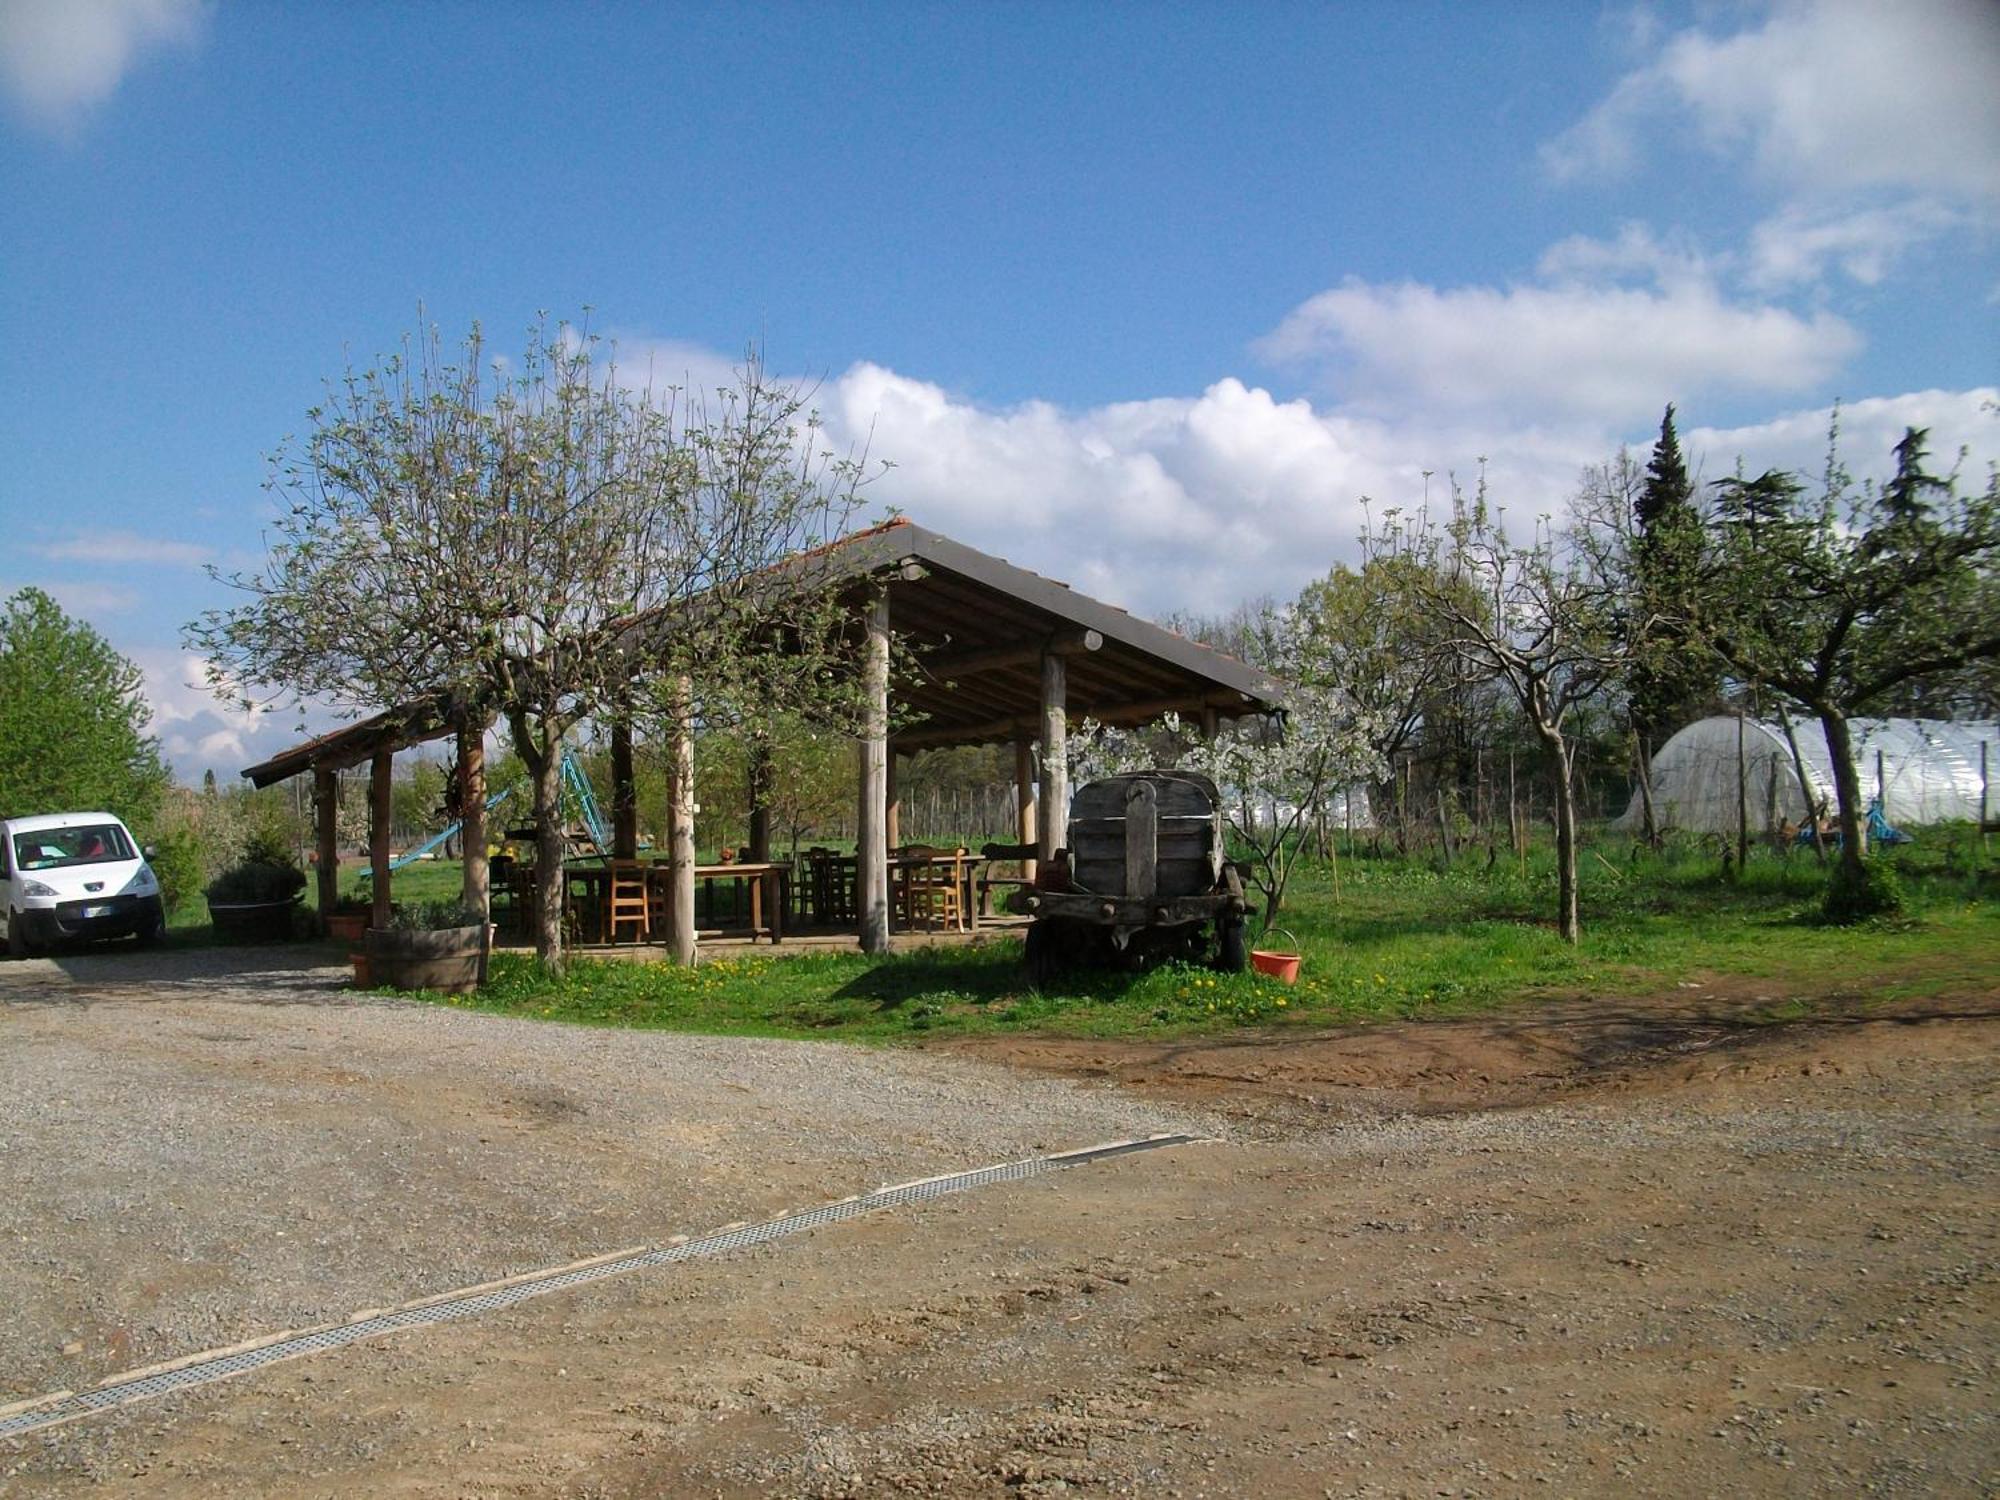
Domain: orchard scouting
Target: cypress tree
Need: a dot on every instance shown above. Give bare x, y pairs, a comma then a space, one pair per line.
1670, 682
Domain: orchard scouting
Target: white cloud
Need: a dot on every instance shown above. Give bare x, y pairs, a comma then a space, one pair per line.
82, 598
1198, 503
1795, 246
1637, 252
1181, 502
1869, 431
58, 58
1176, 503
1572, 352
201, 729
127, 547
1822, 96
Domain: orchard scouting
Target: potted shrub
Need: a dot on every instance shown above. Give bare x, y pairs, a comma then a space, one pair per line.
430, 945
256, 899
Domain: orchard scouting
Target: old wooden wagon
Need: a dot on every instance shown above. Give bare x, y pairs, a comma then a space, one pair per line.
1147, 878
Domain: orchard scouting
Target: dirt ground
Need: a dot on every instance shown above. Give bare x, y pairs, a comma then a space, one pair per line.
1656, 1248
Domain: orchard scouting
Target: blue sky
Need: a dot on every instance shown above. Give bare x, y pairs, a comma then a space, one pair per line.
1197, 276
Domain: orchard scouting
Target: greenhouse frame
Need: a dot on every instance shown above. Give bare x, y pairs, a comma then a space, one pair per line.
1921, 770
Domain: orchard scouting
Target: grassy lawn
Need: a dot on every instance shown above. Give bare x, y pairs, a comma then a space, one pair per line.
1386, 938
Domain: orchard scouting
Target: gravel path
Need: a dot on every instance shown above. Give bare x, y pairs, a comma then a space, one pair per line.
209, 1145
1707, 1260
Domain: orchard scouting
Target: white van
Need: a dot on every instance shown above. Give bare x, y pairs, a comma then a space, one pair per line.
75, 875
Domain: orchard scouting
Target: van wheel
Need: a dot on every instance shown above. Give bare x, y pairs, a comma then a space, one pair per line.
149, 937
17, 937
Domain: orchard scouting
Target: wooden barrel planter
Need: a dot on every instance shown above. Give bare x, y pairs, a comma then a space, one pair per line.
253, 921
447, 959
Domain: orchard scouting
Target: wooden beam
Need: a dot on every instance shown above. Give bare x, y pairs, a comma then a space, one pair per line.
1225, 704
873, 854
945, 665
326, 834
990, 732
1140, 710
381, 808
1055, 752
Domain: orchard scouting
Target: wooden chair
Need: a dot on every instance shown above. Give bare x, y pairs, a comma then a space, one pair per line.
831, 883
659, 891
932, 886
628, 905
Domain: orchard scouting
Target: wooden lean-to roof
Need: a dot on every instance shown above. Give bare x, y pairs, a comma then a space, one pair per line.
976, 628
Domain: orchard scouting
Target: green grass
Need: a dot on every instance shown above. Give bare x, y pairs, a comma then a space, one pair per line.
1387, 938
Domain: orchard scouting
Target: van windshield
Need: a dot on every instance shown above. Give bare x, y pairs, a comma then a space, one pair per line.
58, 848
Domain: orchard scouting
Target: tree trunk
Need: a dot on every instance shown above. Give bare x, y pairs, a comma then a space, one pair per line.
541, 753
1805, 785
1568, 926
380, 815
1847, 792
472, 813
1642, 770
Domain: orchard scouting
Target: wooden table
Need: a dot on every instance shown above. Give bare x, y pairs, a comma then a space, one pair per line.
767, 894
834, 888
589, 886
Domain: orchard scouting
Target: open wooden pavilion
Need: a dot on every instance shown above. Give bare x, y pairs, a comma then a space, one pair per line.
997, 654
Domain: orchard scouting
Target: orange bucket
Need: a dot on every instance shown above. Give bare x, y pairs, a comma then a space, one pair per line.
1280, 965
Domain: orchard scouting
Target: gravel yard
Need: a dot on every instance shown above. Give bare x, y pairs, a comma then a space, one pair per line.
1684, 1255
226, 1148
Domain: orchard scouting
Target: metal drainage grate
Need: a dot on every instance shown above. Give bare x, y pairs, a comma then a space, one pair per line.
201, 1369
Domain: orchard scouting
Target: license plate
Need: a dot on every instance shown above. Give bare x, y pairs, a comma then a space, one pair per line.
99, 911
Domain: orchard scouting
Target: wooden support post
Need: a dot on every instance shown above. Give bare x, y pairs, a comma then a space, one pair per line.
872, 855
326, 835
1054, 810
472, 813
1024, 800
892, 817
381, 809
624, 797
759, 850
680, 826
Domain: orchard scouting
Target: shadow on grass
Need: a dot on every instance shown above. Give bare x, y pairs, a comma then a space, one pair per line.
978, 975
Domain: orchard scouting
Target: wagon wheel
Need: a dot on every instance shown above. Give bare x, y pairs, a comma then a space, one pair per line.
1232, 953
1044, 956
